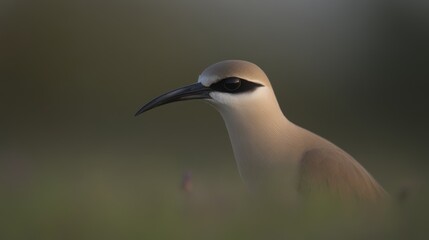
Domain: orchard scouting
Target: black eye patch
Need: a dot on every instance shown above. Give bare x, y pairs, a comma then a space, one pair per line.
234, 85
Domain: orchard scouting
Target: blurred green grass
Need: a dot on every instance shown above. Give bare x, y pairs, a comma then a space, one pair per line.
107, 200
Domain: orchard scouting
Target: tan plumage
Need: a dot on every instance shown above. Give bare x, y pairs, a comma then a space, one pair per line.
272, 152
335, 172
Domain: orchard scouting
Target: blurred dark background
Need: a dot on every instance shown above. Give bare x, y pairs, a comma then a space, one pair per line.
74, 161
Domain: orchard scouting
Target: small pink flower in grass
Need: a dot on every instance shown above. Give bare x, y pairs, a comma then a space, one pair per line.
187, 182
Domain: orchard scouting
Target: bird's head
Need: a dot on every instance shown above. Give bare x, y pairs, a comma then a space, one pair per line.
227, 84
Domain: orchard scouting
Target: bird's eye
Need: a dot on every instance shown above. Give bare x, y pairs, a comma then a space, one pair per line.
231, 84
234, 85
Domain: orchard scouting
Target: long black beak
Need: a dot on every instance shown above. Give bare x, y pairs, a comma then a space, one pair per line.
194, 91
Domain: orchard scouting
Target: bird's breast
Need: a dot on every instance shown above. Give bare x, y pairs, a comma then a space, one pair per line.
266, 154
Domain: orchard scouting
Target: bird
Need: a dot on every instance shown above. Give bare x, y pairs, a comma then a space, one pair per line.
271, 152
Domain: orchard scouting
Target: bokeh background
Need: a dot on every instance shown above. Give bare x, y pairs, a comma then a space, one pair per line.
76, 164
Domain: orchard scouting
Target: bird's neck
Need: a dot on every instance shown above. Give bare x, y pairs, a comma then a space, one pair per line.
261, 138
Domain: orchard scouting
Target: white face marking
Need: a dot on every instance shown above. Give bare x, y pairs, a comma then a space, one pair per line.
231, 99
208, 80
